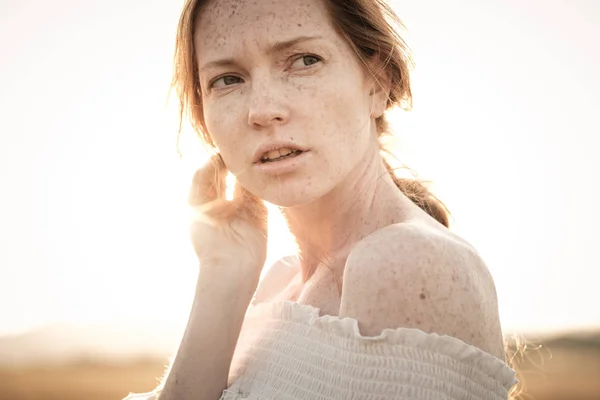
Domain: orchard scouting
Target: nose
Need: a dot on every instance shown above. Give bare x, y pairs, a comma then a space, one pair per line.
267, 106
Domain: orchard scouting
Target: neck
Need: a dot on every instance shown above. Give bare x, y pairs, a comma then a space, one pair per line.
327, 229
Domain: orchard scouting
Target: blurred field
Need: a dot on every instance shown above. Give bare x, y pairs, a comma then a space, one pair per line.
79, 382
562, 369
565, 368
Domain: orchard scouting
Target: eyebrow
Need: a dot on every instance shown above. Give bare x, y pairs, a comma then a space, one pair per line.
276, 47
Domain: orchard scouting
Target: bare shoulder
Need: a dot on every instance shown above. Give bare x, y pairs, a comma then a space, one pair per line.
413, 276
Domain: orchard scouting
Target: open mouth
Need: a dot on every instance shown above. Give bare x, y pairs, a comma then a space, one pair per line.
278, 155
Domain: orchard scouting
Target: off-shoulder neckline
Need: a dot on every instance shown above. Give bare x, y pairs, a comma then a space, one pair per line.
346, 328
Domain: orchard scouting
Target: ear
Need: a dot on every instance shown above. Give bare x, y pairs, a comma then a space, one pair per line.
380, 84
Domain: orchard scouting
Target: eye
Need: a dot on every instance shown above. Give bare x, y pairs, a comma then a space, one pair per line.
226, 80
305, 60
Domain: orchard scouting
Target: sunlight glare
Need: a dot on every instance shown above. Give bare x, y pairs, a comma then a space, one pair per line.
231, 182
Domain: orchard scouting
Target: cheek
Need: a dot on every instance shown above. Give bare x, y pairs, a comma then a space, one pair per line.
343, 115
222, 124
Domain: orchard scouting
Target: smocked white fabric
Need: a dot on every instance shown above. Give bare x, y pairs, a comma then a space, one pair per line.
286, 351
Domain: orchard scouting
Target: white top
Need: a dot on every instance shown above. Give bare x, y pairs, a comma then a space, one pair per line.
287, 351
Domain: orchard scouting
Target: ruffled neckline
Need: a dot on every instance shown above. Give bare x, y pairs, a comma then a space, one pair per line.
347, 329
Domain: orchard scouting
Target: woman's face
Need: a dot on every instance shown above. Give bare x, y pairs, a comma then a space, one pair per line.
275, 73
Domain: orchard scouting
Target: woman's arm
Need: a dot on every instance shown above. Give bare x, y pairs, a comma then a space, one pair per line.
201, 366
230, 240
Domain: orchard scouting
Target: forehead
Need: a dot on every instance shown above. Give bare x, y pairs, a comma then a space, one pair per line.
223, 24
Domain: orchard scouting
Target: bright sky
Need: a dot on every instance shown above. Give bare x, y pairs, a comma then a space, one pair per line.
93, 224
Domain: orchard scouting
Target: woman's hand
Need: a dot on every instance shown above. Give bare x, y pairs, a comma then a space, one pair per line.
230, 239
231, 234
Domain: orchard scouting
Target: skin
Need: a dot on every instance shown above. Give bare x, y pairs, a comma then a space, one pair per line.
326, 102
397, 266
328, 106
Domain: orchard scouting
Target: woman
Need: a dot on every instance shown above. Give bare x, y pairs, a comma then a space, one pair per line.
382, 300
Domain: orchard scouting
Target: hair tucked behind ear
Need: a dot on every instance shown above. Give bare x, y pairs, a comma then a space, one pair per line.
371, 29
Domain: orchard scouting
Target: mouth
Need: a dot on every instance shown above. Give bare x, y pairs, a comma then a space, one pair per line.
279, 155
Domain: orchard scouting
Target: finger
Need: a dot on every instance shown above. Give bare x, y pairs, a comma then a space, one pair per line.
209, 182
208, 194
216, 212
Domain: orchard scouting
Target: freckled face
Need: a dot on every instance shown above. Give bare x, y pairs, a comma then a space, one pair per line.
313, 93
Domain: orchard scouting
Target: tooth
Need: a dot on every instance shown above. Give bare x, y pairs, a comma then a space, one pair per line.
273, 154
285, 151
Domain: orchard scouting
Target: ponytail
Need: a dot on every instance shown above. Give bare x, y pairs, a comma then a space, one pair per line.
418, 193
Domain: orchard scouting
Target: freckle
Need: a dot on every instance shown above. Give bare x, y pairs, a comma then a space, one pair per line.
422, 296
299, 25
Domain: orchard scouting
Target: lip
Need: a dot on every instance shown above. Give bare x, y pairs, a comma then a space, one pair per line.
275, 146
283, 166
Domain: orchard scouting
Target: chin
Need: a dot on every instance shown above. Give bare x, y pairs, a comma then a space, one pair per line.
291, 196
289, 200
